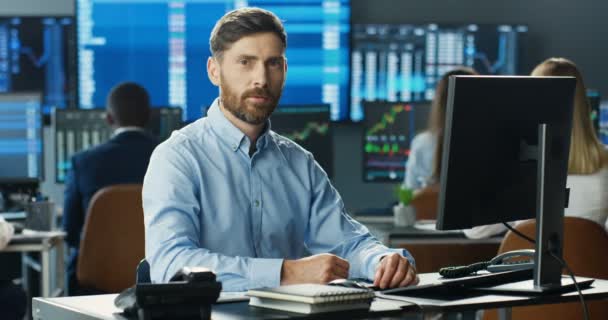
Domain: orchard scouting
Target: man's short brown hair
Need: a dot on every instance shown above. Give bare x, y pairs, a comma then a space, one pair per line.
242, 22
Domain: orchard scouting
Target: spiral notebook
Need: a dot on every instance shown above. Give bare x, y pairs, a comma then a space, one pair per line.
311, 298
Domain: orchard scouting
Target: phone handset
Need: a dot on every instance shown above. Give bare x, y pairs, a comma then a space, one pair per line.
512, 260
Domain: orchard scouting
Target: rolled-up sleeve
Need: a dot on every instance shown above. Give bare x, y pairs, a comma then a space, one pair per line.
331, 229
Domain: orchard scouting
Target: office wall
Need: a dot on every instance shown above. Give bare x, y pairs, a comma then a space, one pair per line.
577, 30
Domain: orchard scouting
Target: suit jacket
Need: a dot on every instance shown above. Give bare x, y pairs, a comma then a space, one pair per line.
122, 159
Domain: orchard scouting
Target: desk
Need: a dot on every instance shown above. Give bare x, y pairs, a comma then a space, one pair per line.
42, 242
395, 236
434, 249
102, 306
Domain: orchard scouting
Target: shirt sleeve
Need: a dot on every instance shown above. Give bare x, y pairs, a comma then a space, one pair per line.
414, 170
172, 218
331, 229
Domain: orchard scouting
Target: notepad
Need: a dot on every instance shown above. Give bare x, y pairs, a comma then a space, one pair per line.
311, 298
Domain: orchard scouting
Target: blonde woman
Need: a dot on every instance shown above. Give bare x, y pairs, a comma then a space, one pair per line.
588, 161
424, 162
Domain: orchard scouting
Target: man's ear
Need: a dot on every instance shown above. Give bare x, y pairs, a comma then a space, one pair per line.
213, 71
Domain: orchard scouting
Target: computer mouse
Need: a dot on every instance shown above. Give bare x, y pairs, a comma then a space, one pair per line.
348, 283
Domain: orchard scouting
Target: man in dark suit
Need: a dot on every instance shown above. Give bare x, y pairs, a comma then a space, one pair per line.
122, 159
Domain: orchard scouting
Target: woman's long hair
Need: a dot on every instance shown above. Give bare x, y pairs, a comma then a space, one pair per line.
587, 154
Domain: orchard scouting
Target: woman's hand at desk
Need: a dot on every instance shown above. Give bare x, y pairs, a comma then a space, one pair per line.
393, 271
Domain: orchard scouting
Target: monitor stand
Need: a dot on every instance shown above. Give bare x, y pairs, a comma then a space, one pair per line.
550, 203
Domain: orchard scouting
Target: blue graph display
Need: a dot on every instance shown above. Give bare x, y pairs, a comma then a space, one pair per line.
164, 45
402, 63
20, 137
38, 54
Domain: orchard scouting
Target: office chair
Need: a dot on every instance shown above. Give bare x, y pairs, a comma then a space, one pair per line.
425, 202
584, 250
112, 241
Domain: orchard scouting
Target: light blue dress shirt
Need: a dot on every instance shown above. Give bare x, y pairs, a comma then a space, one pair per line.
208, 203
419, 166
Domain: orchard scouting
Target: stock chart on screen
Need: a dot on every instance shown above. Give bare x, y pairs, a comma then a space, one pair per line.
402, 63
388, 131
38, 54
164, 46
308, 126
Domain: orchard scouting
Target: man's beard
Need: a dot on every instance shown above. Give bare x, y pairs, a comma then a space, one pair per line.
259, 112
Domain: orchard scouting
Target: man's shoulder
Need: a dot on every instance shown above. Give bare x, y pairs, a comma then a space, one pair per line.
287, 145
193, 133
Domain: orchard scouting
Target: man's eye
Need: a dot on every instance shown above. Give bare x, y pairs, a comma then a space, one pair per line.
244, 62
275, 63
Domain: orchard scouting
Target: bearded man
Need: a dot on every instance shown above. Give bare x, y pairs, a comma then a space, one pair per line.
229, 194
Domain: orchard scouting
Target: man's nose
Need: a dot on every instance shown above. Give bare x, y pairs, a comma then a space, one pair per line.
260, 76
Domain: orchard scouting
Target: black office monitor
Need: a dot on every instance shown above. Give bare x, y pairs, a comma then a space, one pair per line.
594, 103
20, 138
308, 126
603, 122
388, 132
403, 62
39, 54
77, 130
506, 147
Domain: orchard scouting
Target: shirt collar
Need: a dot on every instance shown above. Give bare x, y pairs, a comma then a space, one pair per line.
228, 132
127, 129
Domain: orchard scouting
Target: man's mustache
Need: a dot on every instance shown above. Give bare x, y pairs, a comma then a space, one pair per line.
257, 93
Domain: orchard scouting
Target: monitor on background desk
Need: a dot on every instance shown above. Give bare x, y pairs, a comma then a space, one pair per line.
599, 115
506, 147
77, 130
389, 128
308, 126
20, 138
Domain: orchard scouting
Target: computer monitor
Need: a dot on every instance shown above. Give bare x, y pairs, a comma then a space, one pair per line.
506, 147
20, 138
78, 130
164, 45
403, 62
594, 103
309, 126
38, 54
603, 122
388, 132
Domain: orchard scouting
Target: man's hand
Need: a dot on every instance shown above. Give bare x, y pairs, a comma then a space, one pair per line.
394, 270
321, 268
